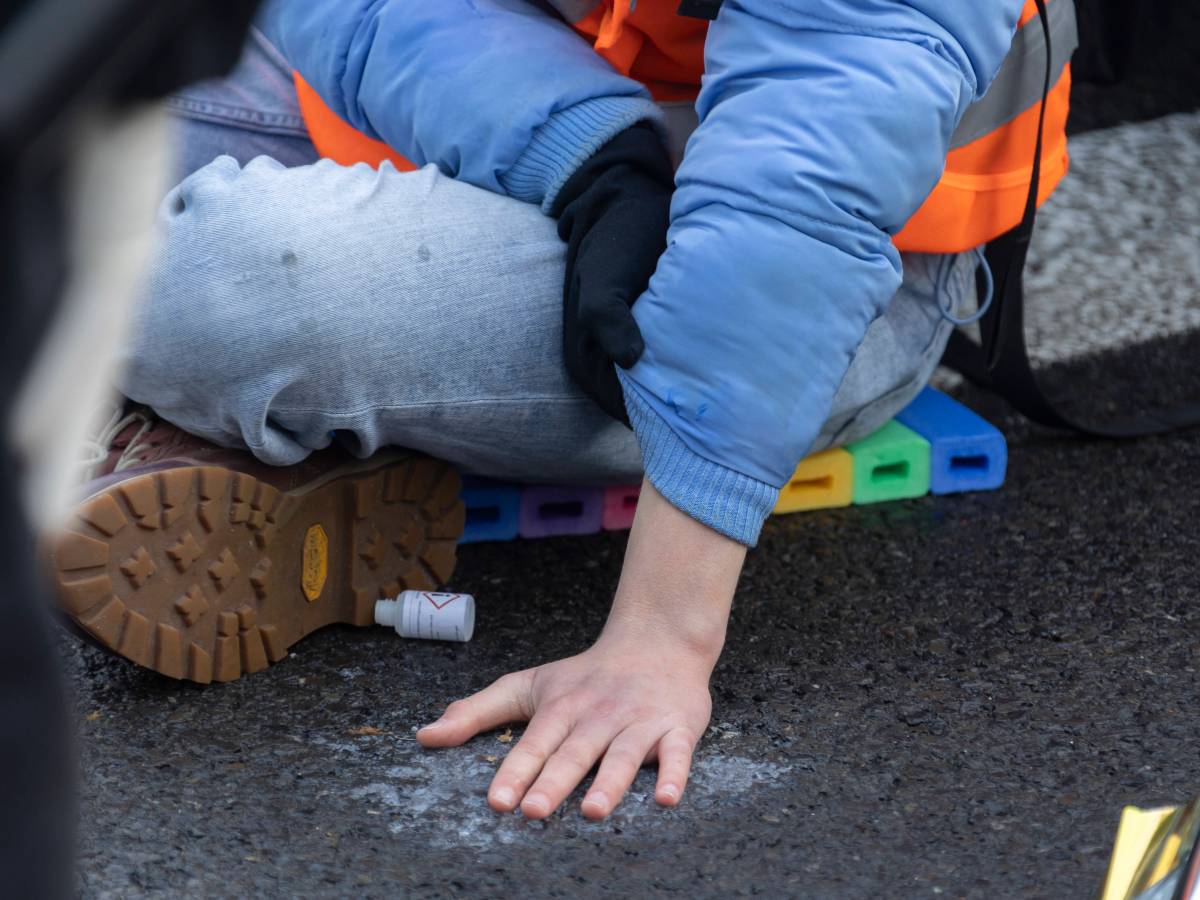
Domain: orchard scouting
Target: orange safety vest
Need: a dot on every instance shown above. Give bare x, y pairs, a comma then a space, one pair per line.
986, 180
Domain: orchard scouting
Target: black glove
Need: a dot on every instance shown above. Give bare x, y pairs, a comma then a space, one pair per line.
613, 214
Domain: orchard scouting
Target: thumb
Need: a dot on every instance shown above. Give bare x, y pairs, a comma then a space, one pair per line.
616, 331
505, 700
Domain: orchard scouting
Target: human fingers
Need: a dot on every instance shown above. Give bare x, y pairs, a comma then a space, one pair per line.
504, 700
674, 763
624, 757
524, 762
567, 767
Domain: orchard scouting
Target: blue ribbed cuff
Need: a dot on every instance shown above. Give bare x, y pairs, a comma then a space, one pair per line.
566, 140
726, 501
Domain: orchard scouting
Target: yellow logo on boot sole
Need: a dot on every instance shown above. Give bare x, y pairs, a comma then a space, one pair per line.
315, 564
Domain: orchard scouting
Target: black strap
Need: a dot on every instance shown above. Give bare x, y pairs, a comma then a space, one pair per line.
699, 9
1001, 361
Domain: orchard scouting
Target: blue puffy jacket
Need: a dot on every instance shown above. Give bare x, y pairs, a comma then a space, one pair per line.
823, 126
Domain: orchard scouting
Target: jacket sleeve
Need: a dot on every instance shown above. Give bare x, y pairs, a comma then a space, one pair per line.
497, 93
823, 126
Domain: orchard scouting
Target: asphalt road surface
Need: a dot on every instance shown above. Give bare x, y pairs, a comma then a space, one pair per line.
952, 696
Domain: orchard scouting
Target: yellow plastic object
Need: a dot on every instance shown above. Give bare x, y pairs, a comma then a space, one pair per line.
1135, 835
315, 562
821, 481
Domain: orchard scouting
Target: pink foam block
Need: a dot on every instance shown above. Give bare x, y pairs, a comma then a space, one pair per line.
620, 503
548, 510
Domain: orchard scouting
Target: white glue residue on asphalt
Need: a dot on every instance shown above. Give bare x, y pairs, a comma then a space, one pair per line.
442, 797
382, 793
719, 775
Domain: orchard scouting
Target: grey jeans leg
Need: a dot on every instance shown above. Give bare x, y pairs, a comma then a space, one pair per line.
289, 304
901, 348
251, 112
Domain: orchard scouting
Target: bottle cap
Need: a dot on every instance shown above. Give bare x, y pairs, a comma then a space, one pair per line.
429, 615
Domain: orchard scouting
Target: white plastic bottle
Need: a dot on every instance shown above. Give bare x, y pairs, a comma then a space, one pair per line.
429, 615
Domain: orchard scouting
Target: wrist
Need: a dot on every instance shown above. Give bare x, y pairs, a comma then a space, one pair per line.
677, 584
637, 154
728, 501
567, 141
642, 622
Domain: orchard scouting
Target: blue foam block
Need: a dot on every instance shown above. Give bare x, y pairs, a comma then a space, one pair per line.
493, 510
966, 452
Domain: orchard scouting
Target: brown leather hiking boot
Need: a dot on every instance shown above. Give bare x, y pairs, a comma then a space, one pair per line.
203, 563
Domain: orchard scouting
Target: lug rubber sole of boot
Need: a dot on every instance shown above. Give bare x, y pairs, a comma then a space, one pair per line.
205, 574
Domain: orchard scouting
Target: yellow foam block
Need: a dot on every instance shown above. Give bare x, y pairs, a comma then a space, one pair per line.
821, 481
1137, 831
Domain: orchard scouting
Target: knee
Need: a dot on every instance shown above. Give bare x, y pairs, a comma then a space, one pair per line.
210, 294
224, 219
900, 349
260, 246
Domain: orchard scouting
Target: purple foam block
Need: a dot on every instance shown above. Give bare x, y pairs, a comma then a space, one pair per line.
620, 503
548, 510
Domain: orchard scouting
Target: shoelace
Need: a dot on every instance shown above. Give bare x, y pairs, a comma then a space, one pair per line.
98, 445
945, 266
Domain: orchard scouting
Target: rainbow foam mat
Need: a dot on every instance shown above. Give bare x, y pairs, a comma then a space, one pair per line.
934, 445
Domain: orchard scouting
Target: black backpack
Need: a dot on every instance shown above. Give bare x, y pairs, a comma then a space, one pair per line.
1000, 361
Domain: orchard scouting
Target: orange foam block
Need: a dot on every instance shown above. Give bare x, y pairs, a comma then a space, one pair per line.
821, 481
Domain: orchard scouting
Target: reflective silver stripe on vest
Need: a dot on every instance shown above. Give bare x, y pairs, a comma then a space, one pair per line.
574, 10
1018, 84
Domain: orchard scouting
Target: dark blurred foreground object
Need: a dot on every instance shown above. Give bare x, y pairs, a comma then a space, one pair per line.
1135, 61
61, 61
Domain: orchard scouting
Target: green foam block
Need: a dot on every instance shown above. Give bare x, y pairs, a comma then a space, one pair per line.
890, 464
